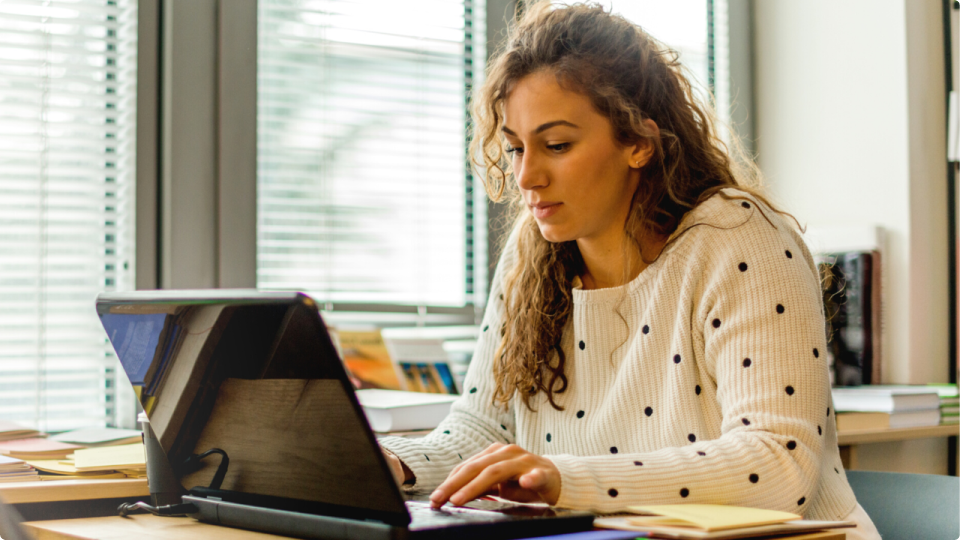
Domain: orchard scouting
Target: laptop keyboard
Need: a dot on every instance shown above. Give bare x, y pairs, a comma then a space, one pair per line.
423, 515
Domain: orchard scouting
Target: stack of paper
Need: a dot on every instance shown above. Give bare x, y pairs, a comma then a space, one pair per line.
36, 448
390, 411
14, 470
705, 521
13, 431
97, 463
99, 437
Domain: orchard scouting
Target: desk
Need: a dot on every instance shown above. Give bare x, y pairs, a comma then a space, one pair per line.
848, 441
73, 490
151, 527
137, 527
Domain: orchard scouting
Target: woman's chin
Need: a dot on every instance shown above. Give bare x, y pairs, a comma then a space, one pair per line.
553, 233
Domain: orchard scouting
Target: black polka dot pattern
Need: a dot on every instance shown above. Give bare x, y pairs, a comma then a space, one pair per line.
791, 445
819, 430
580, 414
788, 254
702, 453
648, 411
685, 492
697, 389
427, 457
447, 432
473, 390
746, 363
801, 501
613, 450
753, 478
646, 329
716, 323
548, 438
638, 463
745, 421
677, 359
829, 411
582, 345
485, 328
836, 470
612, 492
503, 427
745, 204
789, 390
780, 308
816, 354
691, 438
460, 457
742, 267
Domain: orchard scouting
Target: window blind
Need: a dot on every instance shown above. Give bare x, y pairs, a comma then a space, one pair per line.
67, 99
364, 193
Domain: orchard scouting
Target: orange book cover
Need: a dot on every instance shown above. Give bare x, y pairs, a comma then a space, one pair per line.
367, 359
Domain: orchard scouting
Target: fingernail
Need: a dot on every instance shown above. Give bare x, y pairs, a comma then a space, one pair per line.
435, 495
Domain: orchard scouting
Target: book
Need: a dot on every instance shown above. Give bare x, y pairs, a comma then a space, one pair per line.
98, 437
30, 448
852, 307
366, 358
117, 457
390, 411
13, 431
890, 400
708, 521
878, 420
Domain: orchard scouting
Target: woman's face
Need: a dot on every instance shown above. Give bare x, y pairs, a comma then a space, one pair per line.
576, 179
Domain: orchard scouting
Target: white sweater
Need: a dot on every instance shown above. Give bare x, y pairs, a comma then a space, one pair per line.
715, 390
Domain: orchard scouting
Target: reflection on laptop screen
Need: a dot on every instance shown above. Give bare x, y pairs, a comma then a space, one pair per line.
259, 378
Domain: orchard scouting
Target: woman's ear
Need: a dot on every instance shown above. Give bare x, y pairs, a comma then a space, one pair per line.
643, 150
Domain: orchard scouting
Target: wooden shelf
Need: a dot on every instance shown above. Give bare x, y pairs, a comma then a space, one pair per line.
73, 489
855, 437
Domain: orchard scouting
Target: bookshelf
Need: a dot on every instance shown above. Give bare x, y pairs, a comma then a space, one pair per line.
849, 440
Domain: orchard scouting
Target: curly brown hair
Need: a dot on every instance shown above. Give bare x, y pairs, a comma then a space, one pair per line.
629, 78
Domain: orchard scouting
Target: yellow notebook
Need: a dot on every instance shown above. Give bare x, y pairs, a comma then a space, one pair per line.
706, 517
116, 457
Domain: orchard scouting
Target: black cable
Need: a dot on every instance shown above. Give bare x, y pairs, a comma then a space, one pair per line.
192, 463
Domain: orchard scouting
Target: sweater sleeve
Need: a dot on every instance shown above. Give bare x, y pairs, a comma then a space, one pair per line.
757, 328
474, 422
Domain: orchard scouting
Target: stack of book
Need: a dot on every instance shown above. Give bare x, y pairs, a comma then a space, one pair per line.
950, 399
877, 407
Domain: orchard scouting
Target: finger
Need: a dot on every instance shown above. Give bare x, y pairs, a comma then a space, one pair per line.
512, 491
490, 476
490, 449
535, 480
468, 470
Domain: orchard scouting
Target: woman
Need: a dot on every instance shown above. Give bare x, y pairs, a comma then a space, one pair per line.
654, 330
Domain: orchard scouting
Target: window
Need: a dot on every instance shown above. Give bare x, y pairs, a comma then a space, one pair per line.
364, 193
67, 99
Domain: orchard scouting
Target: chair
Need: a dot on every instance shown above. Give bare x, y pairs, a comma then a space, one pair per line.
909, 505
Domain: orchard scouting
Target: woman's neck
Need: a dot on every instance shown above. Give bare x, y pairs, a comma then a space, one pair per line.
605, 260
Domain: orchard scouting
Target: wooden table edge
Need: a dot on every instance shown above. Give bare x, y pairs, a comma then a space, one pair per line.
854, 437
73, 489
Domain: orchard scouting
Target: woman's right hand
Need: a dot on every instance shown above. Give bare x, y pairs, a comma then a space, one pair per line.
401, 472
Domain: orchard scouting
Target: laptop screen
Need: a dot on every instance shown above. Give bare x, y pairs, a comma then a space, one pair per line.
256, 375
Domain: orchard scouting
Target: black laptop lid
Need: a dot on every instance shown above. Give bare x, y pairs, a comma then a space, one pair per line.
254, 374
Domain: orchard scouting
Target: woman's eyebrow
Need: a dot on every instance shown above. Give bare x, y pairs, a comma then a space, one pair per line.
543, 127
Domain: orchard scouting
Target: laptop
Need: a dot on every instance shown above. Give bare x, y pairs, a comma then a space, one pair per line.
250, 403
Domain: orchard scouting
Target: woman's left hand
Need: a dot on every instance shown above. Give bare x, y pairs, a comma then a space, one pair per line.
505, 470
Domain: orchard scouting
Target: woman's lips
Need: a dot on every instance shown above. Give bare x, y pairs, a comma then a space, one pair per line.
545, 210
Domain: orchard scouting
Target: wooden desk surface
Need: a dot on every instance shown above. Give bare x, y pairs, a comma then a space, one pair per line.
854, 437
137, 527
73, 489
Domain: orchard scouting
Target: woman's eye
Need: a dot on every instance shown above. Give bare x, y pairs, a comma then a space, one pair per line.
515, 150
559, 147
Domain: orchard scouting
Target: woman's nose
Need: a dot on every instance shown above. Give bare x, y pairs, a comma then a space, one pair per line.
529, 173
